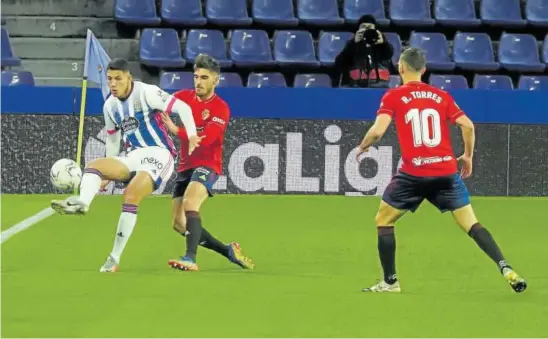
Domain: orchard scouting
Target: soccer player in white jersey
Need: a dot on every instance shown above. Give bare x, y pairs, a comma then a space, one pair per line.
133, 112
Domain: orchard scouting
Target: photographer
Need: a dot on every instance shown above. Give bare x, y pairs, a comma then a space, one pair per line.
365, 61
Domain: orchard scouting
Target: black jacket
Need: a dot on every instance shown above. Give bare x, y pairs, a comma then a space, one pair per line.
354, 56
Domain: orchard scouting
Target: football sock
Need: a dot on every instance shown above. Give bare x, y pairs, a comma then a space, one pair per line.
193, 233
210, 242
90, 185
486, 242
387, 252
126, 224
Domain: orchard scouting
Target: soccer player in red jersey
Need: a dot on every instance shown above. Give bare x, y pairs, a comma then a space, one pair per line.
198, 172
422, 115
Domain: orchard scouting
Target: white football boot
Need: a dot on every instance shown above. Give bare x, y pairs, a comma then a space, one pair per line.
109, 266
383, 286
71, 205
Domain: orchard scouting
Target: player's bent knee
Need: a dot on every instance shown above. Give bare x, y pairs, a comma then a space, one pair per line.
191, 204
179, 225
465, 217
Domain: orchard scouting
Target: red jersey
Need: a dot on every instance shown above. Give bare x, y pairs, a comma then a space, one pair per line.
422, 114
211, 117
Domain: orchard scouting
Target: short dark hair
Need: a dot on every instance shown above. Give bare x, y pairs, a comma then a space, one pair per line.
118, 64
414, 58
207, 62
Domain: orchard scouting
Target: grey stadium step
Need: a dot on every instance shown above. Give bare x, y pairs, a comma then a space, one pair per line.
70, 48
66, 68
87, 8
59, 27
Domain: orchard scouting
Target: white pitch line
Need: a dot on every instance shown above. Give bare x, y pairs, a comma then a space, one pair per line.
27, 223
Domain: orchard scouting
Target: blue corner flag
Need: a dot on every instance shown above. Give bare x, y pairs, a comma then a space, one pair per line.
96, 62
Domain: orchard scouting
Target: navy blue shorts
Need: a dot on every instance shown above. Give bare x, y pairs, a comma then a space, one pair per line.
406, 192
203, 175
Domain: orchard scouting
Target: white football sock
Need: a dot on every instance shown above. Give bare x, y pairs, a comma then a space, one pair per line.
126, 224
90, 185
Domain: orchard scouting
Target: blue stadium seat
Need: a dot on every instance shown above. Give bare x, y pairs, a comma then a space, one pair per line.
330, 45
295, 48
176, 80
411, 13
17, 78
461, 13
474, 51
8, 59
187, 12
207, 41
136, 12
436, 48
319, 12
519, 52
533, 83
250, 48
312, 81
354, 9
258, 80
493, 82
228, 13
230, 80
536, 12
395, 81
502, 13
395, 41
160, 47
274, 12
448, 82
545, 50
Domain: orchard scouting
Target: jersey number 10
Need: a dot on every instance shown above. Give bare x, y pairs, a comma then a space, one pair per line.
426, 127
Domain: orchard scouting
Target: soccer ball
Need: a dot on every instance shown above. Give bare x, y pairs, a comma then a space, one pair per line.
65, 174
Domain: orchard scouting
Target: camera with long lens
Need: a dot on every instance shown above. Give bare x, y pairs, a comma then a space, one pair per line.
370, 36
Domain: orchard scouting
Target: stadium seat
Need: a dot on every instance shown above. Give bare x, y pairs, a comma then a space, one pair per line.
319, 12
395, 41
17, 78
411, 13
493, 82
210, 42
258, 80
274, 12
519, 52
188, 12
312, 81
536, 12
354, 9
545, 50
533, 83
228, 13
230, 80
136, 12
176, 80
395, 81
295, 48
474, 51
502, 13
448, 82
250, 48
330, 45
160, 47
437, 50
461, 13
8, 59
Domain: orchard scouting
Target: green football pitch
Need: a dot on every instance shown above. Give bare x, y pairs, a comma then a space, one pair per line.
313, 256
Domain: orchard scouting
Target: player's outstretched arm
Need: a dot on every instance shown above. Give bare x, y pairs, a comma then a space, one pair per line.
469, 137
375, 133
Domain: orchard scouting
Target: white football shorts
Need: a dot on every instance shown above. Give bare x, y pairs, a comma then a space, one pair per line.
156, 161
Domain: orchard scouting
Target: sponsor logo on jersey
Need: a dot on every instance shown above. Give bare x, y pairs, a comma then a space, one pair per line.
205, 114
152, 161
203, 170
218, 120
130, 125
420, 161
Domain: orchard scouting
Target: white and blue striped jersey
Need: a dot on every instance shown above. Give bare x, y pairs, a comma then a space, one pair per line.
138, 117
